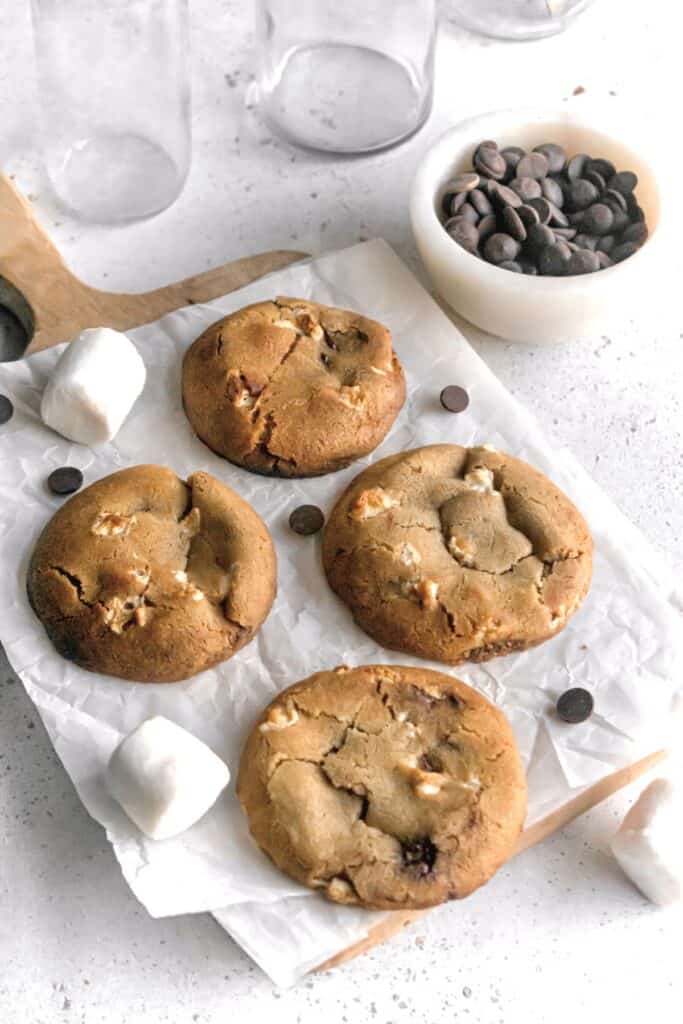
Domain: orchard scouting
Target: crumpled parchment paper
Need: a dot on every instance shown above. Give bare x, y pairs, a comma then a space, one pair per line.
625, 644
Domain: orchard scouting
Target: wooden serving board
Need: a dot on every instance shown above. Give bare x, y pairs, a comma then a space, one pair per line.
52, 305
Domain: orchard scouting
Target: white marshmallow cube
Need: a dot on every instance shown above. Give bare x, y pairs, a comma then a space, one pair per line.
93, 386
649, 844
164, 778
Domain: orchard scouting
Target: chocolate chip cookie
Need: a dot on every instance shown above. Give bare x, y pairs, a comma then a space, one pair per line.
292, 388
457, 554
146, 577
387, 787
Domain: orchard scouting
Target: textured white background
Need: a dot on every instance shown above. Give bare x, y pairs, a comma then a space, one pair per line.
558, 934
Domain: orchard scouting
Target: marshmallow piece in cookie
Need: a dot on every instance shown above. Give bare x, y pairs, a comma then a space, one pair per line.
93, 386
649, 844
164, 778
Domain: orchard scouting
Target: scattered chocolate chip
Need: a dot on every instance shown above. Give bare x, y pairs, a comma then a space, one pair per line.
306, 519
65, 480
555, 156
6, 409
454, 398
575, 705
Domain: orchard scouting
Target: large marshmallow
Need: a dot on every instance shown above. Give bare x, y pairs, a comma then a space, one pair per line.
649, 844
93, 386
165, 778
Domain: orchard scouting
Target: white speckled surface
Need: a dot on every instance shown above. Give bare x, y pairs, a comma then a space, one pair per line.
558, 935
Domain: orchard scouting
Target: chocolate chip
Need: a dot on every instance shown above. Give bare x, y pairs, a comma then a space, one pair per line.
611, 196
419, 854
575, 705
553, 260
528, 267
555, 156
533, 165
576, 166
65, 480
480, 202
490, 163
538, 237
623, 251
565, 234
598, 220
469, 213
504, 196
526, 188
512, 155
542, 208
581, 194
583, 262
557, 217
552, 192
636, 233
306, 519
500, 247
463, 182
6, 409
606, 243
511, 265
453, 203
605, 260
624, 182
604, 168
514, 224
586, 241
575, 218
597, 180
454, 398
527, 215
486, 227
463, 232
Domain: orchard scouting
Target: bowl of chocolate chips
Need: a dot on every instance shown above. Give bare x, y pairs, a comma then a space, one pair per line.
536, 227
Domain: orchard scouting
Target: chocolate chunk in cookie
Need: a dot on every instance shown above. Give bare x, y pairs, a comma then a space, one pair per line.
384, 786
292, 388
145, 577
457, 554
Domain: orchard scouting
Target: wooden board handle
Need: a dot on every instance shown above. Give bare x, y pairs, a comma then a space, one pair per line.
587, 799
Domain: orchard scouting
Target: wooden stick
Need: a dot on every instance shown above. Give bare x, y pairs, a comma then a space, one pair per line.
587, 799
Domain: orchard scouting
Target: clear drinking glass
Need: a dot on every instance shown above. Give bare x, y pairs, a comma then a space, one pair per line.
516, 19
347, 77
113, 77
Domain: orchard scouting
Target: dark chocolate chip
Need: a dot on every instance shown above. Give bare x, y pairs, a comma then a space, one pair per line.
624, 182
542, 208
538, 237
575, 218
636, 233
490, 163
504, 196
486, 227
511, 265
468, 212
512, 155
606, 243
6, 409
463, 232
526, 188
533, 165
636, 214
576, 165
419, 855
565, 234
554, 259
597, 180
514, 225
481, 202
581, 194
453, 203
623, 251
306, 519
583, 261
586, 241
604, 168
575, 705
598, 219
464, 182
500, 247
65, 480
605, 260
527, 215
454, 398
552, 192
557, 217
528, 267
612, 196
555, 156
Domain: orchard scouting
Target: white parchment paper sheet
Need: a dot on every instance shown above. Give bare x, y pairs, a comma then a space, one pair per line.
624, 644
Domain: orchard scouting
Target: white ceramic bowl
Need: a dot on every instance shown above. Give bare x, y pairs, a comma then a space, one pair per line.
520, 307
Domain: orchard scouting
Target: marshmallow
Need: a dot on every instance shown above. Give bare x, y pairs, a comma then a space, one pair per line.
649, 844
164, 778
93, 386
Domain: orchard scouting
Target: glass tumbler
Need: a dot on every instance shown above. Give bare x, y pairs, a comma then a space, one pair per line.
348, 77
113, 79
515, 19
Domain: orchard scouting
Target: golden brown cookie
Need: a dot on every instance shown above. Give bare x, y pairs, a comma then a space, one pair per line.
457, 554
291, 388
385, 786
149, 578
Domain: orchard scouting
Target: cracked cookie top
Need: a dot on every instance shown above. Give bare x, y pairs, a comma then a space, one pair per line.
148, 578
384, 786
292, 388
457, 554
